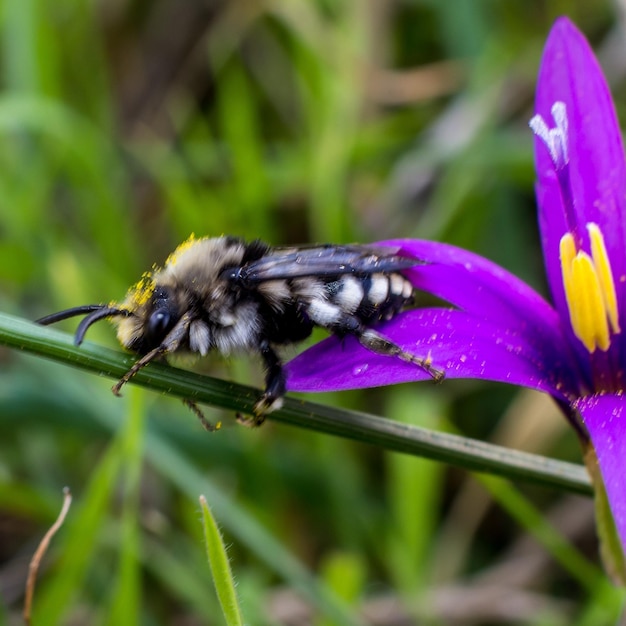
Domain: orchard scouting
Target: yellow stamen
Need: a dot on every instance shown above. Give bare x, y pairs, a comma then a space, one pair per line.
592, 322
567, 250
589, 290
605, 276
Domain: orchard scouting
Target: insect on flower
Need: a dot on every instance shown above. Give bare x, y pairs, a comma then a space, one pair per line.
501, 329
228, 295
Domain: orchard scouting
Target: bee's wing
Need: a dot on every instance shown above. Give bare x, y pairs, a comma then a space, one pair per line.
321, 261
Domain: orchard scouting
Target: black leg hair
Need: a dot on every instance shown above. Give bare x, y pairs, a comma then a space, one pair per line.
275, 388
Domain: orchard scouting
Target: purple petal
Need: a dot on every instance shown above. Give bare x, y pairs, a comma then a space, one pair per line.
463, 345
481, 287
603, 416
597, 171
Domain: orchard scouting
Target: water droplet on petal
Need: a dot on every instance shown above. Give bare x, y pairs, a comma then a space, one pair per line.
360, 369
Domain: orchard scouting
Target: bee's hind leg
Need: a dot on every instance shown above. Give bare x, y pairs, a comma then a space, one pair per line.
346, 324
275, 388
375, 342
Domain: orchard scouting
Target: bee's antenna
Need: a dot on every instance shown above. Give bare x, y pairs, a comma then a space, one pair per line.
95, 317
95, 312
53, 318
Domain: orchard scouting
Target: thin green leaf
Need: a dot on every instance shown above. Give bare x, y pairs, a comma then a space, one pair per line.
470, 454
126, 600
611, 548
220, 567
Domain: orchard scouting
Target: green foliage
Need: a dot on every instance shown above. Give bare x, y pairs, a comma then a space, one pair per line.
124, 127
220, 567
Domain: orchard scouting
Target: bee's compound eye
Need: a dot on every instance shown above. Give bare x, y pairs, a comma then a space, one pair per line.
159, 322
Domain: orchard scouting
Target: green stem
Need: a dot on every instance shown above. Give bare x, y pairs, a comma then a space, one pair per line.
467, 453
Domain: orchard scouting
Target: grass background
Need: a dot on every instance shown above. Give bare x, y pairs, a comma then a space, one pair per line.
126, 126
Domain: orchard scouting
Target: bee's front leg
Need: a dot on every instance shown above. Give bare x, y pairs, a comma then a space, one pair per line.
170, 344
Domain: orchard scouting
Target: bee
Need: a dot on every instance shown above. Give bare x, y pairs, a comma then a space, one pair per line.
229, 295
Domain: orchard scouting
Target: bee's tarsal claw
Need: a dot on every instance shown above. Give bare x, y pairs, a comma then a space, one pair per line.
266, 404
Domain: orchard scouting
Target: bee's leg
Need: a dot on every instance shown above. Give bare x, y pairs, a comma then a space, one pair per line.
375, 342
346, 324
170, 344
137, 365
190, 404
275, 387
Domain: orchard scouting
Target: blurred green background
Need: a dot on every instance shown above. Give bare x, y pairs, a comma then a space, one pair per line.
127, 125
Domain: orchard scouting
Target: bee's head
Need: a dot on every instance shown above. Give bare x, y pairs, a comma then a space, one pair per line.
150, 320
143, 320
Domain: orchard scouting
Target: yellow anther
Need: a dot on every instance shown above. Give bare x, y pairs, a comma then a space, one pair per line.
592, 320
605, 276
567, 253
589, 290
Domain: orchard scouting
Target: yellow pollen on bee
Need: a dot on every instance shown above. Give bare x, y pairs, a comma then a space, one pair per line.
142, 291
173, 258
589, 290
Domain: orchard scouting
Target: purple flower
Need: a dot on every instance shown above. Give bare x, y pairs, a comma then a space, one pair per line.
502, 330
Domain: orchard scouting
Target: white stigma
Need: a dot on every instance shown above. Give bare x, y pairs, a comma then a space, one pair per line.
555, 138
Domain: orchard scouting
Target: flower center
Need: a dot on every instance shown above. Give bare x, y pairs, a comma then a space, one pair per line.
589, 290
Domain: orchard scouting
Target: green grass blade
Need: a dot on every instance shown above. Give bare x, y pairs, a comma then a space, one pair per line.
411, 534
470, 454
220, 567
126, 598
